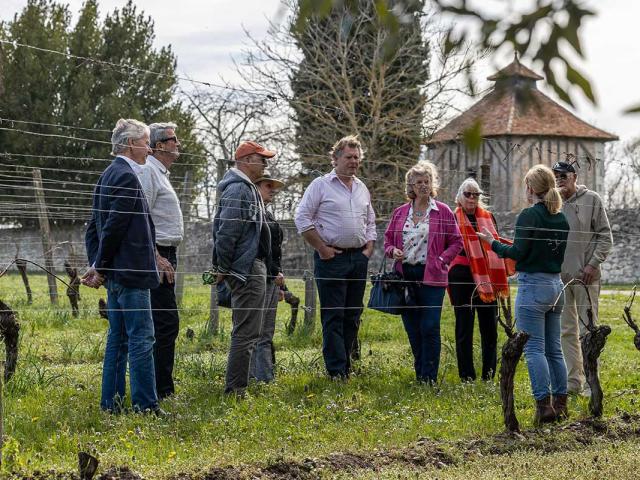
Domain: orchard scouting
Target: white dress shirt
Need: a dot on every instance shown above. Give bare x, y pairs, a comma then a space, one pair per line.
343, 217
164, 205
136, 167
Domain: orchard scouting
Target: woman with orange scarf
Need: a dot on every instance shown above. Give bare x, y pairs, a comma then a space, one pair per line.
477, 278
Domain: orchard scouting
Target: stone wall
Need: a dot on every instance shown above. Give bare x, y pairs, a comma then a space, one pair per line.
622, 265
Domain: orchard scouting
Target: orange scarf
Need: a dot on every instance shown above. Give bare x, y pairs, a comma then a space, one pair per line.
488, 270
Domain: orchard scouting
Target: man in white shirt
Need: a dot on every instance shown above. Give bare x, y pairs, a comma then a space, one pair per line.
164, 207
336, 218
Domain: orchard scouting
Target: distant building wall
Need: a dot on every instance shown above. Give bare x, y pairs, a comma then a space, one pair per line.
509, 159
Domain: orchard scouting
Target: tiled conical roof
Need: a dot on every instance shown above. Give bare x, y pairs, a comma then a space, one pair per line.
514, 69
517, 107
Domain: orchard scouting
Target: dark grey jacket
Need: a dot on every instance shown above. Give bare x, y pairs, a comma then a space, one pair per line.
236, 225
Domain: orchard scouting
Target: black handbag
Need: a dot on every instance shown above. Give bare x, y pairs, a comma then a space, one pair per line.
387, 293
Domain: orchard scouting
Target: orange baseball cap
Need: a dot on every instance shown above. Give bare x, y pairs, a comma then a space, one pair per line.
249, 148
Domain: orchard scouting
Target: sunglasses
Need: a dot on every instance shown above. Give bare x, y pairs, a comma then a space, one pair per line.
561, 176
168, 139
471, 194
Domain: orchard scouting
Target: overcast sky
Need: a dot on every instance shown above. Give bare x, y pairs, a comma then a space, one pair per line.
207, 34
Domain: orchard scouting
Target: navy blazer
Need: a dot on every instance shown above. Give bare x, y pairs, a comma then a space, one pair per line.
120, 238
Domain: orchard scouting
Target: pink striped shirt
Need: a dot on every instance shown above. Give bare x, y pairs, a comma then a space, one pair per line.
343, 218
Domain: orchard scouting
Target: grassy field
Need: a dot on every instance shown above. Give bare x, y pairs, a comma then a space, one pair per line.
52, 412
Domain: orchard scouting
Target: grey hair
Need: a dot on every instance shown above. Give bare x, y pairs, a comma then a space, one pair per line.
125, 130
471, 182
158, 132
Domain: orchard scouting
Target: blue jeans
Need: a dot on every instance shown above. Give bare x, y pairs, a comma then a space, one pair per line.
130, 335
423, 324
535, 315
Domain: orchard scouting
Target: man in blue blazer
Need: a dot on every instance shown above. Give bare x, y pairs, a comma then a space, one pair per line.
120, 242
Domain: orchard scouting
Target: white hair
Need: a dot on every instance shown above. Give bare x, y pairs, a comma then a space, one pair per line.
124, 130
159, 132
471, 183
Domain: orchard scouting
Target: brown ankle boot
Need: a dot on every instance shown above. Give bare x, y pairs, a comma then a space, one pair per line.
560, 406
544, 412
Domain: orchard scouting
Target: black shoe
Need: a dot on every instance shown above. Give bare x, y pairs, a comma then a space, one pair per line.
164, 395
238, 393
158, 412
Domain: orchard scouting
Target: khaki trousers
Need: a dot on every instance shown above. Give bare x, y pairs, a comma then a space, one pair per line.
573, 320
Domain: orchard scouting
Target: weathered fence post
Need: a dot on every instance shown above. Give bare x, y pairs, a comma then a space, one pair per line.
46, 234
185, 197
1, 409
21, 265
214, 312
309, 301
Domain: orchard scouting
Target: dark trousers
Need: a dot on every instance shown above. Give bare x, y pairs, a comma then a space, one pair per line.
461, 287
421, 321
341, 283
247, 303
166, 323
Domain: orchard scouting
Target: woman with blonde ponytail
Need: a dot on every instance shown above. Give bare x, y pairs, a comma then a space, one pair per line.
538, 249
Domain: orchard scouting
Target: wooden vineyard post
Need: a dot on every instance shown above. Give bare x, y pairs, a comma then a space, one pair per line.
214, 312
1, 409
182, 248
21, 265
46, 234
309, 301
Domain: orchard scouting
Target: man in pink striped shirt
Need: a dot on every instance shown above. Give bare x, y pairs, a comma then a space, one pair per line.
336, 218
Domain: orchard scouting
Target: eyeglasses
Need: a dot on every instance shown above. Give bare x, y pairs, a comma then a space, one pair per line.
168, 139
561, 176
471, 194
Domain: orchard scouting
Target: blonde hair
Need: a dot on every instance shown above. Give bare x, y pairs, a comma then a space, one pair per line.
422, 169
541, 180
471, 182
351, 141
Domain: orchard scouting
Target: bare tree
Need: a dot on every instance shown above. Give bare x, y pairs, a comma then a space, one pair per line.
622, 175
335, 78
225, 118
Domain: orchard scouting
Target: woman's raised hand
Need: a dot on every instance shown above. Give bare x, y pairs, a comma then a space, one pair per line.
486, 236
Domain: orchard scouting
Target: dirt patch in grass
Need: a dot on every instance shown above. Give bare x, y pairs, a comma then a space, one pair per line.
119, 473
424, 453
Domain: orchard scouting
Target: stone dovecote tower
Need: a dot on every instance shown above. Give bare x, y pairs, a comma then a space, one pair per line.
521, 127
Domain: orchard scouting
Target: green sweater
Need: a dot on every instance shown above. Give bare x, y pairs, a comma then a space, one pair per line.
540, 241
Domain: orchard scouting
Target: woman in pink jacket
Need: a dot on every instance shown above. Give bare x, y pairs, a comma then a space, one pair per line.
423, 238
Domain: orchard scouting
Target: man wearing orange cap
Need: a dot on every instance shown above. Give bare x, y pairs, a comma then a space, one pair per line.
241, 245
